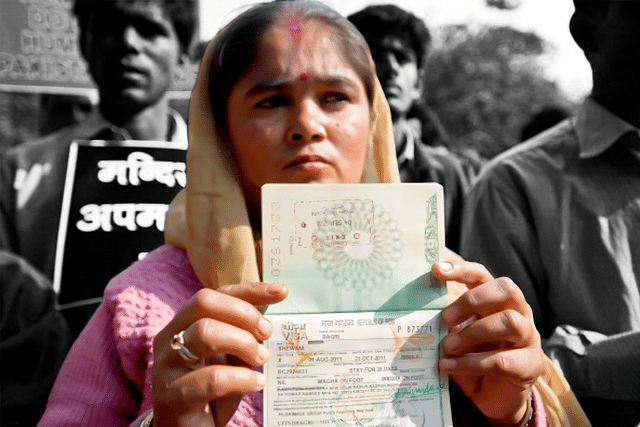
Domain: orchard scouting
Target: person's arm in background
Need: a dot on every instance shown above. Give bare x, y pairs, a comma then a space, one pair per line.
498, 231
35, 340
597, 365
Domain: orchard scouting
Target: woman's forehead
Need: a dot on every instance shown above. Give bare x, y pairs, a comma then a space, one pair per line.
294, 34
293, 25
294, 46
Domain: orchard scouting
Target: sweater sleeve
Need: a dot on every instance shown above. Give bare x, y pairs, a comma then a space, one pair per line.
138, 316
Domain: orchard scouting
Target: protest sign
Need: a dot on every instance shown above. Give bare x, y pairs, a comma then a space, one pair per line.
113, 212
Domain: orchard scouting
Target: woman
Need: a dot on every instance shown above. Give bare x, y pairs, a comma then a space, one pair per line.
286, 93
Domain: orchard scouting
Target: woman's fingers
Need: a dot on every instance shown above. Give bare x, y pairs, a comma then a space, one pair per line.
486, 299
208, 337
521, 365
470, 273
507, 328
199, 387
220, 322
493, 349
234, 304
257, 293
200, 356
205, 397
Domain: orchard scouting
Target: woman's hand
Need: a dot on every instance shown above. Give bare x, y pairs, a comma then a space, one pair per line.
493, 350
225, 328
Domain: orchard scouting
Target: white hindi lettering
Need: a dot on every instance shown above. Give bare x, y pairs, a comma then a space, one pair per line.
136, 161
124, 215
142, 167
94, 218
167, 173
112, 169
127, 215
150, 213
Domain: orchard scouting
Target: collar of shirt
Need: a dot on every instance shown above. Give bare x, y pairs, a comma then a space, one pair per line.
96, 123
408, 152
598, 128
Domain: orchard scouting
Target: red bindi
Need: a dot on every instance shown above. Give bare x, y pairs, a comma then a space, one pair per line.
304, 77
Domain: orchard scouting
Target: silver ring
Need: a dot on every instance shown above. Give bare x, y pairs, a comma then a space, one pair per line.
177, 343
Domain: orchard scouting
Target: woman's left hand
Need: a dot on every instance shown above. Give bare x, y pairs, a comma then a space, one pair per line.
493, 350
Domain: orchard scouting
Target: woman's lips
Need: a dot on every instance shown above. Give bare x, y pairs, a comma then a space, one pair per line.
307, 162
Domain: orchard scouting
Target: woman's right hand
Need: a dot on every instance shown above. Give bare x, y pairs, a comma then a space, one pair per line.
225, 328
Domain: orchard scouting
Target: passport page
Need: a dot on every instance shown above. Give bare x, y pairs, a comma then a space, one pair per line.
353, 247
356, 342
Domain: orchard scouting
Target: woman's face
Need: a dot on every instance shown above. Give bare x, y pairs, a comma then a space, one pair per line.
300, 114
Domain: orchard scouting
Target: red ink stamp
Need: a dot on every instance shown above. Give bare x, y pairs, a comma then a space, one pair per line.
295, 29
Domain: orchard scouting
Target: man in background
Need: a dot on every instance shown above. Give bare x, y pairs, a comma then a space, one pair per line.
399, 43
132, 48
560, 215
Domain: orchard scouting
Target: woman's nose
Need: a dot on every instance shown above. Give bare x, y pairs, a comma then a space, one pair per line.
307, 123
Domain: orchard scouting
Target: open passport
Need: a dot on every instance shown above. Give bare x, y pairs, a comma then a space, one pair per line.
356, 342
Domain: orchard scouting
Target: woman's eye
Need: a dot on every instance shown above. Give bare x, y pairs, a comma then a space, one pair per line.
272, 102
335, 98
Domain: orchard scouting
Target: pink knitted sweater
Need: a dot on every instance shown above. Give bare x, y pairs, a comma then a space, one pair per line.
106, 378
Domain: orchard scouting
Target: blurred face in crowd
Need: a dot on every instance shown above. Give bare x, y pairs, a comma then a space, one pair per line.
398, 72
132, 50
300, 114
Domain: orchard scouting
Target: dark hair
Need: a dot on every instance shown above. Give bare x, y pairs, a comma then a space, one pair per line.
378, 21
597, 3
580, 24
236, 46
182, 14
